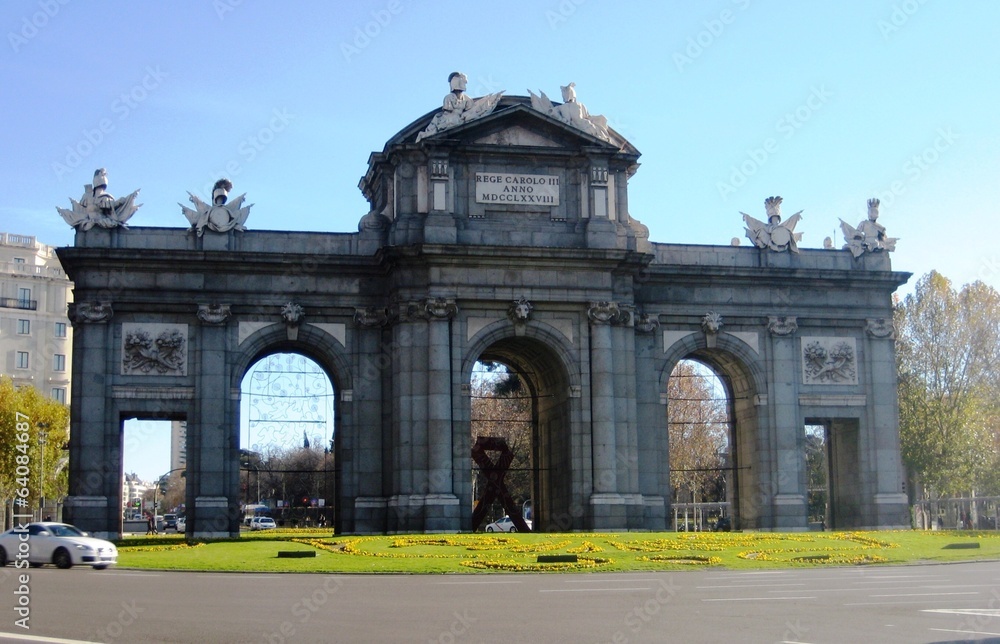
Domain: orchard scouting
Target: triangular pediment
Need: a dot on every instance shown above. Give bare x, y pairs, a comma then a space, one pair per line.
517, 135
513, 123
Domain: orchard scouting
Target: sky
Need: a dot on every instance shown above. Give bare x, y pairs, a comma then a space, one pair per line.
729, 102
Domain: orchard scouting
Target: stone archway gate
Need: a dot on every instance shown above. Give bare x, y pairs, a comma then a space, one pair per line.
509, 222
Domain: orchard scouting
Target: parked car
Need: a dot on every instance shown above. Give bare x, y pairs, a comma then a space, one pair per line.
505, 524
262, 523
60, 544
181, 524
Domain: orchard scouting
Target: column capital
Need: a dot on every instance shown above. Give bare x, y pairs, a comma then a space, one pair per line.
371, 316
880, 328
96, 312
441, 308
214, 314
782, 325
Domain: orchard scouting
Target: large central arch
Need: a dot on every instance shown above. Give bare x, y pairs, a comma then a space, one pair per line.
541, 360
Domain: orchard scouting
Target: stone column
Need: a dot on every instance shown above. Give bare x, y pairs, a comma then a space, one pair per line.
370, 504
890, 502
94, 477
441, 511
651, 425
626, 431
605, 502
216, 481
404, 426
787, 475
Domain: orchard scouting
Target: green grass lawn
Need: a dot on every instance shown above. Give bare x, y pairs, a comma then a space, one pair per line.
498, 552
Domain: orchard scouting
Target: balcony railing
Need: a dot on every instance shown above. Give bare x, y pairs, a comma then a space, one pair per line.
15, 303
16, 268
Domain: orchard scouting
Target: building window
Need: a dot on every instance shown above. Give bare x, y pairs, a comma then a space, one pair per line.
59, 394
22, 360
18, 260
24, 327
60, 329
59, 362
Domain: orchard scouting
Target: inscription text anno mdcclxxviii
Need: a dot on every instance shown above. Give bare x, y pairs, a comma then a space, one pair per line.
525, 189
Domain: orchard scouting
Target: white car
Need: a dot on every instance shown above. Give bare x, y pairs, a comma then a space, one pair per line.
60, 544
181, 524
262, 523
505, 524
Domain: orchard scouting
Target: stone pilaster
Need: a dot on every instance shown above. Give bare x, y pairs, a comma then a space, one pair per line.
441, 502
94, 483
788, 500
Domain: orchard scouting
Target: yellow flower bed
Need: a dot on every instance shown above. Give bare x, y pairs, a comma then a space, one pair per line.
693, 560
159, 547
586, 546
818, 548
510, 565
659, 545
833, 554
351, 548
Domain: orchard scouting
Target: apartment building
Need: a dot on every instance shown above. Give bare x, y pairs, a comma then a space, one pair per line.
36, 336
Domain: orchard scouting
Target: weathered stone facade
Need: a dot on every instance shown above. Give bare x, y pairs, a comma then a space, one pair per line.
559, 282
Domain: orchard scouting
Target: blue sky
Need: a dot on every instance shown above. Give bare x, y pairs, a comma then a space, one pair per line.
731, 101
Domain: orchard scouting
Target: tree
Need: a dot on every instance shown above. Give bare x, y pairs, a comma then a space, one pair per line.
24, 414
697, 422
948, 351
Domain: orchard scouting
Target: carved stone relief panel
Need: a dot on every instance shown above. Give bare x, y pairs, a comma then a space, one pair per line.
829, 361
154, 349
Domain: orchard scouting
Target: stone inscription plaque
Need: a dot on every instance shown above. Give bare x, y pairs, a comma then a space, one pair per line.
519, 189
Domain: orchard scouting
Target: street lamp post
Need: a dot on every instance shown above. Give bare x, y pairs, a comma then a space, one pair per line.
43, 435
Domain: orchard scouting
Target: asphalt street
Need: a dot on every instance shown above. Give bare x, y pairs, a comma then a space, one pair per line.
916, 603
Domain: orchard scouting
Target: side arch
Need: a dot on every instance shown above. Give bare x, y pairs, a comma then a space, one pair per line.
331, 355
743, 374
311, 341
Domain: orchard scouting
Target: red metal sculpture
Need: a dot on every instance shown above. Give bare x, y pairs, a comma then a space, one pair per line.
494, 473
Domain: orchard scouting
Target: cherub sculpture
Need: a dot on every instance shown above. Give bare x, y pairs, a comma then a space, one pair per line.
99, 208
775, 234
219, 216
869, 236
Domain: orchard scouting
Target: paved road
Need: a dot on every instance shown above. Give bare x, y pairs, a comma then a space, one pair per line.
933, 603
